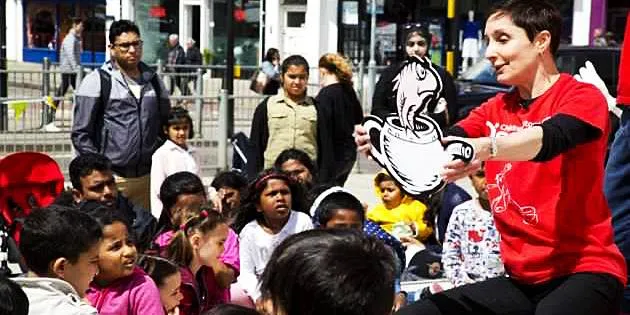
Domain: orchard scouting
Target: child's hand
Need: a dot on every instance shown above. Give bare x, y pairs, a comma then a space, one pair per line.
408, 240
175, 311
400, 301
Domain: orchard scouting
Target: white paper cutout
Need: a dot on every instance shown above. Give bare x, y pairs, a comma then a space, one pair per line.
408, 144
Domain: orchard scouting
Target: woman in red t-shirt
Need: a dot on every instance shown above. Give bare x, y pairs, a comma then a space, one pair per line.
544, 143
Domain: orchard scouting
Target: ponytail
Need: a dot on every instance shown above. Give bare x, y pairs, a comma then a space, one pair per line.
179, 249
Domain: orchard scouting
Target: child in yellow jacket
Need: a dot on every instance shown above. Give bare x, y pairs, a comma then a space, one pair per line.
399, 214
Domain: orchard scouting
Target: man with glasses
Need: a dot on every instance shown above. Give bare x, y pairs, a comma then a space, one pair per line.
119, 112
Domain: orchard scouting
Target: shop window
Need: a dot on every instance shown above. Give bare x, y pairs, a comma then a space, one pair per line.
41, 25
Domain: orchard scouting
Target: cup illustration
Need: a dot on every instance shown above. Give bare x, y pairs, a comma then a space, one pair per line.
414, 157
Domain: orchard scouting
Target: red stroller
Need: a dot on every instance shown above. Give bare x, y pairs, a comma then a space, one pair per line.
27, 180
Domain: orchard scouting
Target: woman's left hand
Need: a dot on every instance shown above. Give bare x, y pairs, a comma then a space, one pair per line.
457, 169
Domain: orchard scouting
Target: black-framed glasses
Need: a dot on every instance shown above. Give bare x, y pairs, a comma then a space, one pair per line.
125, 46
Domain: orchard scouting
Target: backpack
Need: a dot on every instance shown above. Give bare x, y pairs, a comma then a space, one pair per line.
27, 180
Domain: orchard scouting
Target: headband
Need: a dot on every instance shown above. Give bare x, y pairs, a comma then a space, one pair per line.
324, 194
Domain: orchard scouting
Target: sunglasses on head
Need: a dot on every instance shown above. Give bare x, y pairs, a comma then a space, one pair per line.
412, 25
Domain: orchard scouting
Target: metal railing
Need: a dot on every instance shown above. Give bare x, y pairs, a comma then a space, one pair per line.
32, 94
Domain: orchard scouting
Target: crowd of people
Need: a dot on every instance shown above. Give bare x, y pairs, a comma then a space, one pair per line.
139, 232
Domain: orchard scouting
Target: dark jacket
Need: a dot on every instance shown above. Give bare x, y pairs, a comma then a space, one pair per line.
126, 130
142, 222
259, 135
193, 57
340, 109
384, 98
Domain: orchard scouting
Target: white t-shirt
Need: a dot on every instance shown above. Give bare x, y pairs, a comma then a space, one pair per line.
167, 160
256, 246
134, 86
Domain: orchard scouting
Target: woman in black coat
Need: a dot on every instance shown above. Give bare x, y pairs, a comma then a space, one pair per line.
340, 110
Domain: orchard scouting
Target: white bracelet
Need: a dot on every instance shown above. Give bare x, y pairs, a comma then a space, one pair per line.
493, 140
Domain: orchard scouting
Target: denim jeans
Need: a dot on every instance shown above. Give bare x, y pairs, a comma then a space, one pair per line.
617, 190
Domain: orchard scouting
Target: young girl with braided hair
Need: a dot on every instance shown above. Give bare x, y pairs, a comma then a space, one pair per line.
196, 248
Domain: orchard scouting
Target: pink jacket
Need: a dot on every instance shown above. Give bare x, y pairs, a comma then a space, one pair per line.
135, 294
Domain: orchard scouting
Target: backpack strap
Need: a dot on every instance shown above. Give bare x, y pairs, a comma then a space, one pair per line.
155, 82
106, 90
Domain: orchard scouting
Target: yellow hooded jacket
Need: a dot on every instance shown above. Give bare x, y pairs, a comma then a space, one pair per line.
409, 211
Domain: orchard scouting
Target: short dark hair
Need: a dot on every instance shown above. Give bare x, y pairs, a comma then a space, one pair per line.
384, 177
271, 52
298, 155
177, 115
534, 16
294, 60
104, 215
54, 232
180, 183
327, 207
231, 179
157, 268
84, 164
330, 271
13, 300
122, 26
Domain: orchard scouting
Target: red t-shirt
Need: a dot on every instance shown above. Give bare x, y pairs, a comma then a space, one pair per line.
623, 88
552, 216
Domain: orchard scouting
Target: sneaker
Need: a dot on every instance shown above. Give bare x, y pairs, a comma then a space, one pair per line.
51, 128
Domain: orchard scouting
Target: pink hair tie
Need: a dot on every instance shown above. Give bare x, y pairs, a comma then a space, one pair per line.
183, 227
203, 214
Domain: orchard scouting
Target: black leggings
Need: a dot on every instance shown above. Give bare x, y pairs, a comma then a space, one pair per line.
581, 293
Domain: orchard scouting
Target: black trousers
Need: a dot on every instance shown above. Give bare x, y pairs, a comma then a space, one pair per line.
67, 80
182, 83
581, 293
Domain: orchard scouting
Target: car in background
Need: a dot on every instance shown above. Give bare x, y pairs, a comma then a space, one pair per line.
479, 82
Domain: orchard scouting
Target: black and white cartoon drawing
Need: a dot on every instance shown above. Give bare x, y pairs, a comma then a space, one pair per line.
408, 143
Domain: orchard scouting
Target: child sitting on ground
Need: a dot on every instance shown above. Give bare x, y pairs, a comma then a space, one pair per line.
337, 207
175, 155
183, 195
168, 279
196, 248
399, 214
230, 186
120, 287
471, 248
60, 246
264, 220
329, 271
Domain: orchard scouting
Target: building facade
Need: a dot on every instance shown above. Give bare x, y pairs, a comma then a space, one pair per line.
35, 28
